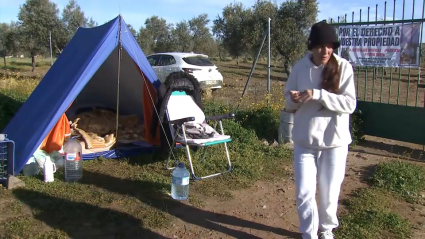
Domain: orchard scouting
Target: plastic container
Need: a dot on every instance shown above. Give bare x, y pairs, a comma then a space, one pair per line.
73, 161
49, 169
7, 157
180, 183
285, 127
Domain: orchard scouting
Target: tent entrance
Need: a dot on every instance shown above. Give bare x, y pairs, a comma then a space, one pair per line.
94, 111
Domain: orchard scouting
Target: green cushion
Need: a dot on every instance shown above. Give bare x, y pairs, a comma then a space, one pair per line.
218, 142
179, 93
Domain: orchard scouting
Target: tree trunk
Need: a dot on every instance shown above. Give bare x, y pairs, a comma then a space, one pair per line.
237, 60
33, 62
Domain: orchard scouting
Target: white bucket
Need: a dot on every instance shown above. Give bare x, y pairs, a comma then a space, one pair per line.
285, 127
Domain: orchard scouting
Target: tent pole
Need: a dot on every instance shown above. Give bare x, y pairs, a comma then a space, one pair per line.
118, 79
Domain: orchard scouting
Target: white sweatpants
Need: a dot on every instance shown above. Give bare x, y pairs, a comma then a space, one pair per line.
329, 167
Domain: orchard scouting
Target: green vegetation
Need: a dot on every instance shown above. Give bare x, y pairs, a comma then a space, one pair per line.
356, 127
402, 178
371, 215
13, 92
371, 210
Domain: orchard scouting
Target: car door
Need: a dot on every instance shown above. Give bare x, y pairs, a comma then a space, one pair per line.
168, 65
154, 61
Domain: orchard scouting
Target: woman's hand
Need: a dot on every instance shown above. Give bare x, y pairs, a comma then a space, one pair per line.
301, 97
305, 96
294, 96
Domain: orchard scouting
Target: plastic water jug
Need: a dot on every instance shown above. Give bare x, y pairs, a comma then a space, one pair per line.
49, 169
180, 183
285, 127
73, 161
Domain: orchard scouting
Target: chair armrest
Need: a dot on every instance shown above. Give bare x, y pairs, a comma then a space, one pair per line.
221, 117
182, 121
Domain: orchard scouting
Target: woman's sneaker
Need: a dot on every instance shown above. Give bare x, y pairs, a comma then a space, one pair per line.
326, 235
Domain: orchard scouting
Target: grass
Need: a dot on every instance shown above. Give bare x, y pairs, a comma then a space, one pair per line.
24, 65
13, 92
373, 213
402, 178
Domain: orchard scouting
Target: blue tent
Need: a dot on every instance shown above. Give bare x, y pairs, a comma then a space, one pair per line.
85, 74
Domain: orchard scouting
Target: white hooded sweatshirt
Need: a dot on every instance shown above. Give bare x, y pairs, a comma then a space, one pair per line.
322, 122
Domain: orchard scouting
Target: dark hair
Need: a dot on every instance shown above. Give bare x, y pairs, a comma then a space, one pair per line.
331, 75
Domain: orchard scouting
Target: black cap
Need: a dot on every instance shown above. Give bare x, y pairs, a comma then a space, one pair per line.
322, 34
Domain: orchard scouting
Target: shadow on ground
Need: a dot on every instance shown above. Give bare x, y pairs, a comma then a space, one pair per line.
187, 213
82, 220
366, 173
93, 221
391, 150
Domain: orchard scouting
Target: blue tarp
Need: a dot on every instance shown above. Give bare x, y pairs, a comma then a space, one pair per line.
80, 60
121, 152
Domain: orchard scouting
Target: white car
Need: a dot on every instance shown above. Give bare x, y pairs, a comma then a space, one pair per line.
197, 65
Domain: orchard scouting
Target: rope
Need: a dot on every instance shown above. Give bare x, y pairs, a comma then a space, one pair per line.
157, 114
152, 100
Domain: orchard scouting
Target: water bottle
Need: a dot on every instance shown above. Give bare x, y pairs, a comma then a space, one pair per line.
180, 183
49, 169
73, 161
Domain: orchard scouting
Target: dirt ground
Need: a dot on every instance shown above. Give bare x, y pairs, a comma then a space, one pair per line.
267, 209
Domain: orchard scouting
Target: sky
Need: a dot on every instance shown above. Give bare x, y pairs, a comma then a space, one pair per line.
135, 12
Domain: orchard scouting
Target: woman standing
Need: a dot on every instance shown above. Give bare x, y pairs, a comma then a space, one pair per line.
321, 90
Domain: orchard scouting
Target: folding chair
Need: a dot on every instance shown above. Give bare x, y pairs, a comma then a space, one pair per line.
181, 110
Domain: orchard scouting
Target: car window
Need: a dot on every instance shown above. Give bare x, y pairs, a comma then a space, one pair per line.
153, 60
198, 61
166, 60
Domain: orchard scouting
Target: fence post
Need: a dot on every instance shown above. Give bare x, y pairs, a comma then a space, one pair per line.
268, 62
252, 68
50, 46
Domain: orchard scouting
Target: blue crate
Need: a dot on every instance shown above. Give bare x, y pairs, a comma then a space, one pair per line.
7, 159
